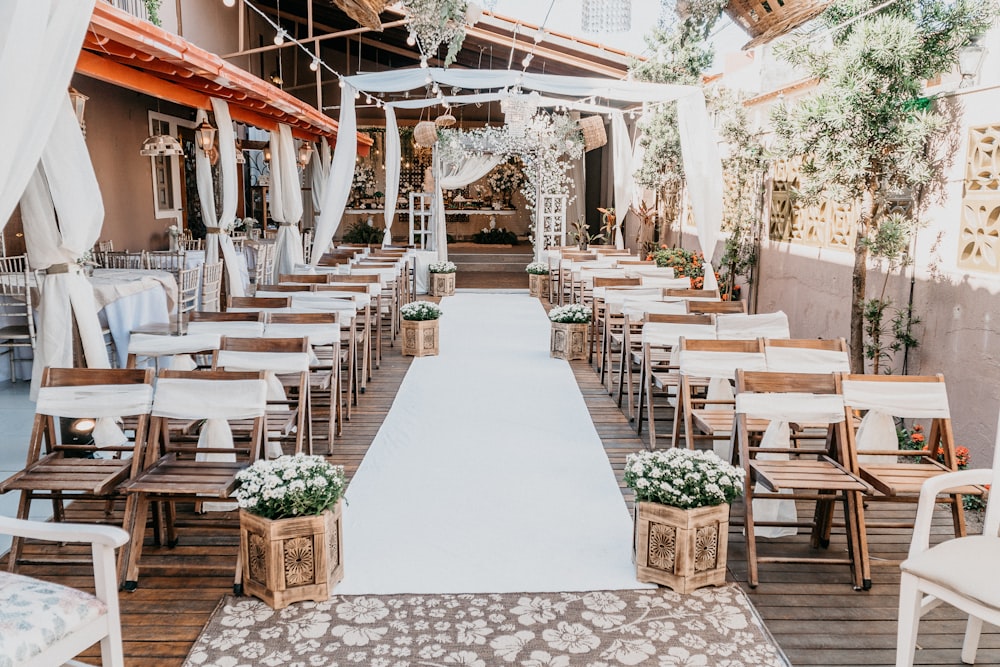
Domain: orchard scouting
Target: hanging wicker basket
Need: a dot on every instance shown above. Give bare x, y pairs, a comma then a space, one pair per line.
445, 120
594, 134
765, 20
425, 133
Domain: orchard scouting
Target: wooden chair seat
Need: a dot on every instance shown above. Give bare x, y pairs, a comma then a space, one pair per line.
719, 423
895, 479
814, 474
174, 476
57, 473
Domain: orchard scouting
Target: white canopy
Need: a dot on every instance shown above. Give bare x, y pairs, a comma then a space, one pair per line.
702, 165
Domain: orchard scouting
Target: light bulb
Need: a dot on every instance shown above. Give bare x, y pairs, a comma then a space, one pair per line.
279, 38
428, 79
423, 62
314, 65
540, 36
527, 59
368, 99
341, 82
229, 3
411, 39
435, 89
357, 94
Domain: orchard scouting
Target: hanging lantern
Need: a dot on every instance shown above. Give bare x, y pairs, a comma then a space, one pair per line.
240, 158
305, 153
79, 101
204, 136
594, 134
160, 145
445, 120
606, 15
518, 109
425, 133
267, 153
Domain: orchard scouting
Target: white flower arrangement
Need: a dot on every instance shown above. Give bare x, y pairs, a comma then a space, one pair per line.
420, 311
442, 267
289, 486
537, 268
505, 178
364, 177
682, 478
574, 313
174, 231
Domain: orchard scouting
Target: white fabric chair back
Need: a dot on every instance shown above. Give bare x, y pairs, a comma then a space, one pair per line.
764, 325
806, 360
701, 363
664, 334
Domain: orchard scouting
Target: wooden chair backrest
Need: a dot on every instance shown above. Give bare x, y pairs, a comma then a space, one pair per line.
208, 316
303, 318
691, 293
667, 318
259, 302
731, 345
295, 287
768, 382
309, 278
718, 307
607, 281
354, 278
334, 260
263, 344
831, 344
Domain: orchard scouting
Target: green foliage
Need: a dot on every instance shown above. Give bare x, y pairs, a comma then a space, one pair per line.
360, 232
436, 22
153, 11
887, 330
495, 236
686, 264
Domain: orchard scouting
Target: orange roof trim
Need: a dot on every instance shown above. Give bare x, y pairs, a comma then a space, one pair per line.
126, 51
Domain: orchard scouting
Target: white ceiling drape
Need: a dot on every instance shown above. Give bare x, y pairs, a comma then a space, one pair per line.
392, 168
63, 214
338, 183
39, 46
448, 176
286, 202
217, 227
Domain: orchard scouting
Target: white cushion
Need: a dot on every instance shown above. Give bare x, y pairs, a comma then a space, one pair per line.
36, 614
966, 565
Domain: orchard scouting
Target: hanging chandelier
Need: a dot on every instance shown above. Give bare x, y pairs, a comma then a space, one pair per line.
606, 15
160, 145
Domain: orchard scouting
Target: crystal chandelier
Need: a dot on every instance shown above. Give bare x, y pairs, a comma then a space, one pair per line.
607, 15
518, 109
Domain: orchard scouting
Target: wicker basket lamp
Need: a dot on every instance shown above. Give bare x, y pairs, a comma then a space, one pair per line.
425, 133
594, 134
765, 20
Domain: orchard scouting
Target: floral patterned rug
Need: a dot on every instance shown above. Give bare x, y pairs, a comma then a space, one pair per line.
712, 626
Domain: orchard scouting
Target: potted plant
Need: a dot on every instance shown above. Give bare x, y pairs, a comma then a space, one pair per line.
442, 278
570, 325
291, 544
538, 278
682, 501
420, 328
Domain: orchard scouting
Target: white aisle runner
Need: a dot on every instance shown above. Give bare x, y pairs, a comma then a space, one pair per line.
487, 474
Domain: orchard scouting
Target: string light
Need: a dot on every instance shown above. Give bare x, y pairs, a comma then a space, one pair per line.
229, 3
423, 62
527, 59
279, 37
314, 65
411, 39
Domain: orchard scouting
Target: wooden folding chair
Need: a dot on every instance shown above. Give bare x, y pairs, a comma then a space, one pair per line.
661, 333
307, 278
694, 294
634, 311
793, 446
707, 367
190, 457
75, 451
600, 323
255, 303
897, 475
716, 307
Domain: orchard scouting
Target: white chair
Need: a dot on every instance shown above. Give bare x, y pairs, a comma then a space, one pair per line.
47, 624
960, 571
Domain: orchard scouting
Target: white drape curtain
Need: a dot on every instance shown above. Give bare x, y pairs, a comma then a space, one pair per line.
449, 176
702, 175
338, 183
392, 167
286, 202
39, 46
624, 180
63, 214
216, 240
320, 172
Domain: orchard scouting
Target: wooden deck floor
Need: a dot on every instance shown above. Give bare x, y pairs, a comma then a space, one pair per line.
812, 611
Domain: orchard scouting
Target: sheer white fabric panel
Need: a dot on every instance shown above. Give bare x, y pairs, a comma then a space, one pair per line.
181, 398
792, 407
233, 329
320, 168
702, 174
64, 187
39, 45
393, 152
623, 173
448, 177
899, 399
286, 201
806, 360
664, 334
95, 400
735, 326
338, 183
719, 364
206, 193
151, 345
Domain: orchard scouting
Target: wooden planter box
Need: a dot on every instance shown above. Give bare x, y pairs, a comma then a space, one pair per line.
569, 341
420, 337
442, 284
290, 560
681, 549
538, 284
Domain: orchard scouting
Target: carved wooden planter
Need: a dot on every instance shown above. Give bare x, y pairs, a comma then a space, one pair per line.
420, 337
290, 560
442, 284
681, 549
569, 341
538, 284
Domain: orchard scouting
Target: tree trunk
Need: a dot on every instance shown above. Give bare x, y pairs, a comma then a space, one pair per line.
859, 278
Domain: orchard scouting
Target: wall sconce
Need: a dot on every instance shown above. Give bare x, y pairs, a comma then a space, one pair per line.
267, 153
79, 101
970, 61
204, 136
240, 158
305, 153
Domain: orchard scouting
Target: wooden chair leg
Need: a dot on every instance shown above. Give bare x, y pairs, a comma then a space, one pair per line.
137, 533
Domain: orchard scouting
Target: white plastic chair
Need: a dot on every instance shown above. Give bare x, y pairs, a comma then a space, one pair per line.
55, 623
960, 571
